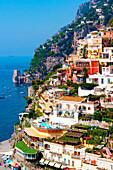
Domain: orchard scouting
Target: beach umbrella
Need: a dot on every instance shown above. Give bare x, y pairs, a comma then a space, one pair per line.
12, 163
9, 160
16, 165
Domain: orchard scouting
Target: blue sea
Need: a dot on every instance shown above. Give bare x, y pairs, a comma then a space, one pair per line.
13, 102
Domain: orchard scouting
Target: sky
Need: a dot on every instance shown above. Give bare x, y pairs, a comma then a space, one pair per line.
26, 24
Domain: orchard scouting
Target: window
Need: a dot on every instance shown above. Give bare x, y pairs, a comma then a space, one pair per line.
60, 106
51, 157
68, 162
89, 108
102, 81
68, 106
107, 69
59, 159
108, 80
89, 160
101, 165
111, 167
72, 163
58, 150
65, 160
103, 69
46, 155
78, 153
76, 107
104, 33
84, 108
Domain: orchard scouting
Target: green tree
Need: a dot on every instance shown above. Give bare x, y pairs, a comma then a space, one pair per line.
28, 99
98, 116
57, 66
111, 22
85, 72
84, 52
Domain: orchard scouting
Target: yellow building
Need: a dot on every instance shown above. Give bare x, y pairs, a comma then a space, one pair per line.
40, 131
94, 43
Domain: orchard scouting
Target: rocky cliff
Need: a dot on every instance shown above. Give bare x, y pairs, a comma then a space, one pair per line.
64, 42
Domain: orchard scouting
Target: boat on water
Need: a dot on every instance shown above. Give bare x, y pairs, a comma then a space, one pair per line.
2, 97
8, 88
9, 95
21, 92
8, 91
2, 93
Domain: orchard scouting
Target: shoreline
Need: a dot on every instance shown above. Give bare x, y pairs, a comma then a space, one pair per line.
7, 140
5, 147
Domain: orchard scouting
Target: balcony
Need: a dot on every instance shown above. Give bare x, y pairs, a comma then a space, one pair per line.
90, 163
56, 153
75, 157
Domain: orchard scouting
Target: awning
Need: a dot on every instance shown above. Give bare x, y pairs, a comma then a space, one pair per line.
62, 167
33, 133
57, 165
46, 162
42, 161
51, 163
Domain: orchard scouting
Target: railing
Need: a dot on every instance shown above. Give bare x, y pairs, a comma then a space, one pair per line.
56, 153
39, 142
46, 148
47, 128
86, 162
75, 157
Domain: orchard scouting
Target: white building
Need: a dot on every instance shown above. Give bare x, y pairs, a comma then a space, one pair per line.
84, 92
101, 79
101, 17
107, 53
99, 10
67, 109
31, 92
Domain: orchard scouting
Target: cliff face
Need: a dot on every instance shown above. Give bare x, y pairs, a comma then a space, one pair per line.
64, 42
81, 11
83, 8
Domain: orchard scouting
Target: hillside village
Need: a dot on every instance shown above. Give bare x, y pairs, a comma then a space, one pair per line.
67, 123
68, 117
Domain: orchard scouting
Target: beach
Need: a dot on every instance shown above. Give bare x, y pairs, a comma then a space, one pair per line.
5, 147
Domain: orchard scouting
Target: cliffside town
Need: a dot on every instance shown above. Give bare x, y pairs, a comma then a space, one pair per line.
67, 122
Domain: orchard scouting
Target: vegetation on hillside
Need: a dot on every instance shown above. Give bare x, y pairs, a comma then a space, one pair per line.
62, 42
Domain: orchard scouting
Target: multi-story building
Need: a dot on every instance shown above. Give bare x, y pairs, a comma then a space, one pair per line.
67, 109
94, 162
62, 153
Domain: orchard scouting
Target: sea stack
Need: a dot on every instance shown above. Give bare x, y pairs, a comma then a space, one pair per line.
16, 76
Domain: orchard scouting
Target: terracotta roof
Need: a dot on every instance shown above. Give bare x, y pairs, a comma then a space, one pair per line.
44, 96
74, 99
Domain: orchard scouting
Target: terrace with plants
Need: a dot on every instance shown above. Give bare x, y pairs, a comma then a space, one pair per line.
20, 145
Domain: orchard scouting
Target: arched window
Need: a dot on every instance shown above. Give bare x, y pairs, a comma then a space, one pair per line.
68, 106
76, 107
